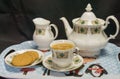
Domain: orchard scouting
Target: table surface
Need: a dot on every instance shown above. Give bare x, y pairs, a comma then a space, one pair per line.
108, 56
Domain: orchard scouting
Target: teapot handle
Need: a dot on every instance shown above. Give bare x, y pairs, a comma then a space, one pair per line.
117, 26
56, 30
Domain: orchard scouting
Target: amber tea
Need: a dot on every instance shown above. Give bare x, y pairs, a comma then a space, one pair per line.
62, 46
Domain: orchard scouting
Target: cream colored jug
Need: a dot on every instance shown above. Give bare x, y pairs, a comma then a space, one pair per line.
43, 35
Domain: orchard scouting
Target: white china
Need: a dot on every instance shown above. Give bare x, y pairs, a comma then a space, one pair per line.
43, 35
62, 58
77, 62
88, 32
9, 57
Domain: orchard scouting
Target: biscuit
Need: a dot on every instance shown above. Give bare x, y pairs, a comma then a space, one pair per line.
21, 60
34, 55
25, 58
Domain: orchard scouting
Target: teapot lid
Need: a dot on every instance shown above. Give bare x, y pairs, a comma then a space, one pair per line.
89, 18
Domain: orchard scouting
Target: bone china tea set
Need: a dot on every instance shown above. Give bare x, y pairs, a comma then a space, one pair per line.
87, 33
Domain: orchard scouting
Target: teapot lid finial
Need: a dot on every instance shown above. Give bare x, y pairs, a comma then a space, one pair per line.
89, 18
88, 8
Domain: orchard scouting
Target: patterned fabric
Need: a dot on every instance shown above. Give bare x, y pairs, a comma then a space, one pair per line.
108, 60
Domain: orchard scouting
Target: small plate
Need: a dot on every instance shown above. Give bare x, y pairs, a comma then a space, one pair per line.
76, 63
9, 57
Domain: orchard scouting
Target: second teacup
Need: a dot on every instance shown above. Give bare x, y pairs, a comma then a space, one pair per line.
62, 52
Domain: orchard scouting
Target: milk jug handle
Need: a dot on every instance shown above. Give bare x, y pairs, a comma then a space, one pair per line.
117, 26
56, 30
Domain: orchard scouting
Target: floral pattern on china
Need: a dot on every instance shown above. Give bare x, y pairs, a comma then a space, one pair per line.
88, 32
43, 34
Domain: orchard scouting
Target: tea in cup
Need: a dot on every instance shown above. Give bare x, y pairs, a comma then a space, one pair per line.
62, 52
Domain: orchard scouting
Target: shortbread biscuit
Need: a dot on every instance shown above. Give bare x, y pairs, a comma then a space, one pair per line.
34, 55
22, 60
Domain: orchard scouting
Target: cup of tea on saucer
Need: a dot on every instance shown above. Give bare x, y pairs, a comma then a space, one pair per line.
62, 53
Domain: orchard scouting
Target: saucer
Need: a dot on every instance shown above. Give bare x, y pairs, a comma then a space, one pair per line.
76, 63
9, 57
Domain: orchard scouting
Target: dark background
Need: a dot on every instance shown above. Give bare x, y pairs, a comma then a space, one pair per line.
16, 17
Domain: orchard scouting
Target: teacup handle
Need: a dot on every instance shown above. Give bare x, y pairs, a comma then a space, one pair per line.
76, 50
56, 30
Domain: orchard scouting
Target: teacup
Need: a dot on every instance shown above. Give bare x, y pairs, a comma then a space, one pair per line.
62, 52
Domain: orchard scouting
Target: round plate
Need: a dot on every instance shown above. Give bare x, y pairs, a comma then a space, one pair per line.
9, 57
76, 63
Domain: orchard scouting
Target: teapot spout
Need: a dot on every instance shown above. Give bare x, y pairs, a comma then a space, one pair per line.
67, 26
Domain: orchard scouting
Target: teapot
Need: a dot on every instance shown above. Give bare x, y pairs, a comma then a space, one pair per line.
43, 35
88, 32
